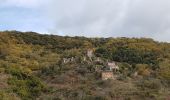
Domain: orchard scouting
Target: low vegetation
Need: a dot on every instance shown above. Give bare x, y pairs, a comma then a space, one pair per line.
47, 67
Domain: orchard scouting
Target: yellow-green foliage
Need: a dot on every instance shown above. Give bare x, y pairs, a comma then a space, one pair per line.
24, 83
164, 71
8, 96
35, 65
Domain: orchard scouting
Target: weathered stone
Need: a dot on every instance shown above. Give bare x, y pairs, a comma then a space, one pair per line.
90, 53
113, 66
108, 75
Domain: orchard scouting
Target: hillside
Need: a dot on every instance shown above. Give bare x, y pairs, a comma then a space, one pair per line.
51, 67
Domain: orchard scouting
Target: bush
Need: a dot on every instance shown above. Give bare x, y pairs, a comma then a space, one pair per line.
24, 84
8, 96
102, 52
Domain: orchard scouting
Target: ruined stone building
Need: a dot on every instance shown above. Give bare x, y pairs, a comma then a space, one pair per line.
112, 66
90, 53
68, 60
107, 75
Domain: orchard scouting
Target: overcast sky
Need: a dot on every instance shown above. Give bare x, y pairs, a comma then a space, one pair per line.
91, 18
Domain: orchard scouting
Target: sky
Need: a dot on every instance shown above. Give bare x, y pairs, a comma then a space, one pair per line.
90, 18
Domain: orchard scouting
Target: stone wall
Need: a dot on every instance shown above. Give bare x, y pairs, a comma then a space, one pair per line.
107, 75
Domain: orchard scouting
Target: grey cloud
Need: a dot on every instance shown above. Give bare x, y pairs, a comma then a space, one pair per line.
148, 18
22, 3
105, 18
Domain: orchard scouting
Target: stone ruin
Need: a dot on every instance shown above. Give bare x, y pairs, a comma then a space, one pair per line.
68, 60
112, 66
109, 73
90, 54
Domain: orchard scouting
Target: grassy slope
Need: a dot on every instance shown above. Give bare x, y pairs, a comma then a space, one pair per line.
35, 65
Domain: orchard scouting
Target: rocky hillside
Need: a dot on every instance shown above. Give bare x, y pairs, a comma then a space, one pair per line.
47, 67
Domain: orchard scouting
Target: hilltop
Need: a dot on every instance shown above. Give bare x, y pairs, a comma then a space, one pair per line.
36, 66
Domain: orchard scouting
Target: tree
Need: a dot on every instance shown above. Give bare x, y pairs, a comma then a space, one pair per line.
102, 52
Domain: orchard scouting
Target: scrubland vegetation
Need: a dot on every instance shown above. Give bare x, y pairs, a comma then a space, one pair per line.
32, 67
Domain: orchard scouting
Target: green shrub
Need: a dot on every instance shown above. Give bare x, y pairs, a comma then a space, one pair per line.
4, 95
25, 85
